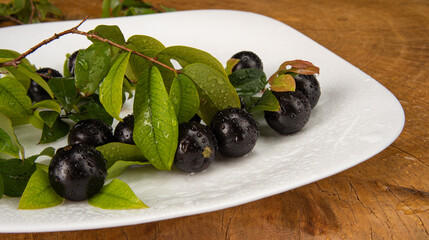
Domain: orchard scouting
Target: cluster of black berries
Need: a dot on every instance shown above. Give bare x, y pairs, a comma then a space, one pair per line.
78, 171
295, 106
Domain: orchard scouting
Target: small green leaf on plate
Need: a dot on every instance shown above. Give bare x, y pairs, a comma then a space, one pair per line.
267, 102
39, 193
16, 173
185, 99
115, 151
120, 166
116, 195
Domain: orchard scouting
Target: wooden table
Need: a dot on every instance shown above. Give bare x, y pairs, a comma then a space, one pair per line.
382, 198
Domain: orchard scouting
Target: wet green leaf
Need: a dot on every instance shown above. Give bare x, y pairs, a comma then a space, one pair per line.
1, 187
22, 78
215, 91
92, 108
267, 102
155, 123
111, 32
187, 55
185, 99
248, 81
47, 104
16, 173
120, 166
8, 142
116, 195
115, 151
92, 65
65, 91
39, 193
51, 134
49, 117
14, 102
111, 88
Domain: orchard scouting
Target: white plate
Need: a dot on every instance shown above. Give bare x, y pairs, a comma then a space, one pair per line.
355, 119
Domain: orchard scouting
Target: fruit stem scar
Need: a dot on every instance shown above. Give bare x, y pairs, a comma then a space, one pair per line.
207, 152
74, 30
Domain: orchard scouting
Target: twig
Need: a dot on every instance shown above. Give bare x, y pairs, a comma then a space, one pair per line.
33, 9
14, 20
74, 30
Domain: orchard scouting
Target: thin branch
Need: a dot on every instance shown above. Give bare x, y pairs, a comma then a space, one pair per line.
33, 9
75, 30
14, 20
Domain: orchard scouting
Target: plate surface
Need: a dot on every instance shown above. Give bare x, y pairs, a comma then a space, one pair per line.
355, 119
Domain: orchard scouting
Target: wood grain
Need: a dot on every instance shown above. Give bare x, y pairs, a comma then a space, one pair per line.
386, 197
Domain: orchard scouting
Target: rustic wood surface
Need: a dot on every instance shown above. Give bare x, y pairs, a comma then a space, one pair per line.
386, 197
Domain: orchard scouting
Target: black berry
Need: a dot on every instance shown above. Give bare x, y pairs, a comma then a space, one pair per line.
35, 91
236, 131
91, 132
308, 85
293, 115
247, 60
72, 63
124, 130
77, 172
196, 149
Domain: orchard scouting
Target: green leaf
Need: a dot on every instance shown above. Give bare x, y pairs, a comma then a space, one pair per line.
92, 65
248, 81
120, 166
215, 91
187, 55
16, 173
155, 122
185, 99
111, 88
116, 195
111, 32
268, 102
66, 70
136, 3
282, 83
14, 102
8, 142
51, 134
31, 73
19, 4
22, 78
115, 151
36, 120
92, 108
64, 91
47, 104
105, 13
49, 117
39, 193
142, 42
1, 187
49, 151
230, 64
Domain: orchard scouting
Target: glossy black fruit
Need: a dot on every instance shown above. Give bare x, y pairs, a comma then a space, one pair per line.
196, 149
236, 131
72, 62
124, 130
293, 115
77, 172
247, 60
195, 118
308, 85
36, 92
92, 132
